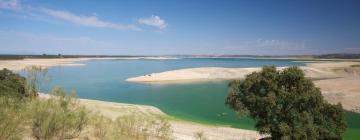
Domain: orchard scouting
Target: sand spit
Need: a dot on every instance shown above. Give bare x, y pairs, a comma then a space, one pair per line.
218, 73
204, 73
16, 65
316, 70
339, 81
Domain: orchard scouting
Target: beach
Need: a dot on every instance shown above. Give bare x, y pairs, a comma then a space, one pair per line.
319, 70
21, 64
205, 73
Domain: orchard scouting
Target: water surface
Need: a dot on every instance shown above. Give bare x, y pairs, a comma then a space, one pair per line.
198, 101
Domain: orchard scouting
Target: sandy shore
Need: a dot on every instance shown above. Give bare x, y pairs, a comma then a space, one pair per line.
205, 73
219, 73
340, 80
344, 89
182, 130
17, 65
21, 64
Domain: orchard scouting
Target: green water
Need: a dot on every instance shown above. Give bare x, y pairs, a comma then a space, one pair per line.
198, 101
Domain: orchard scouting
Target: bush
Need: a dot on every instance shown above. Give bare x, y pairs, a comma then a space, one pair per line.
101, 127
355, 65
200, 135
60, 117
286, 105
35, 76
141, 127
12, 84
131, 126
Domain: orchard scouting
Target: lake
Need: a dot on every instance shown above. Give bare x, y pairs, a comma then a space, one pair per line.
197, 101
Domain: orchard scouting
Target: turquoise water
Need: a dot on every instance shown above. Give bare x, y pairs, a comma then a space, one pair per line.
201, 101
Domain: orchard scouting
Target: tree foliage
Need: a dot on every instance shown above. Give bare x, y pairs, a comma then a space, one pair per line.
286, 105
12, 84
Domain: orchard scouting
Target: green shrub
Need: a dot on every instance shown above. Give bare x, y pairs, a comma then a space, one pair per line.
141, 127
60, 117
356, 65
132, 126
200, 135
101, 127
35, 76
12, 84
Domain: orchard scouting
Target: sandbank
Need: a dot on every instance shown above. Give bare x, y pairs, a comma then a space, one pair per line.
17, 65
339, 81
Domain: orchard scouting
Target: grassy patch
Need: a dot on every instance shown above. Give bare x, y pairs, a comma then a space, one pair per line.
354, 66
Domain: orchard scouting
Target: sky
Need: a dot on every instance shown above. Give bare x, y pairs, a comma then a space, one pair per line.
173, 27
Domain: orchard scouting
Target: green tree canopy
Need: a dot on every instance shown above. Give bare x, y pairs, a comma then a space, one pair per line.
286, 105
12, 84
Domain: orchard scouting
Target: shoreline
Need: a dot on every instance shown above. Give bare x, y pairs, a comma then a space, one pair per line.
20, 64
17, 65
339, 81
219, 73
182, 129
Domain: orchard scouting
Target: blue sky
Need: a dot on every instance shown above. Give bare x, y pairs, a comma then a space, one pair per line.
118, 27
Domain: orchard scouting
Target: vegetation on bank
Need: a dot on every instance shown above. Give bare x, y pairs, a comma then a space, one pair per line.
356, 65
306, 57
24, 115
338, 56
286, 105
50, 56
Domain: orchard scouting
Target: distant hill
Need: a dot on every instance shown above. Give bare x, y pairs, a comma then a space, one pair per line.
338, 56
323, 56
12, 56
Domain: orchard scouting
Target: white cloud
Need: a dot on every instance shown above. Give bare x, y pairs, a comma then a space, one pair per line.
10, 5
91, 21
155, 21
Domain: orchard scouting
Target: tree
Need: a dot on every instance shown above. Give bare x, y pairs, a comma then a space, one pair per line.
286, 105
11, 84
